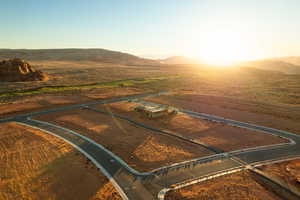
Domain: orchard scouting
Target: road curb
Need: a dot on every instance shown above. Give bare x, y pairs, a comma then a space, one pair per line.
98, 165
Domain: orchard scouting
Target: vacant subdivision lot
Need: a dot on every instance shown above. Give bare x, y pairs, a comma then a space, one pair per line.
176, 123
142, 149
218, 135
35, 165
287, 172
235, 186
275, 116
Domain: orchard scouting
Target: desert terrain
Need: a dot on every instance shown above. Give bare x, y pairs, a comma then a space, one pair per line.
36, 165
281, 117
235, 186
142, 149
30, 103
79, 77
150, 100
220, 136
287, 172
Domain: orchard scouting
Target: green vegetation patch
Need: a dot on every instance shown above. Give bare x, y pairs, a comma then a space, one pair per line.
112, 84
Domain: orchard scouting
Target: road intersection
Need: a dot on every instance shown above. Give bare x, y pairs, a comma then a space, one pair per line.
132, 184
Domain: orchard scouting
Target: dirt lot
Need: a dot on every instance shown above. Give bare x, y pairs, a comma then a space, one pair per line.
235, 186
288, 172
281, 117
220, 136
176, 123
140, 148
35, 165
47, 101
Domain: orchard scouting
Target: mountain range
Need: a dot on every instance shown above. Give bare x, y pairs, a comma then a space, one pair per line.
288, 65
96, 55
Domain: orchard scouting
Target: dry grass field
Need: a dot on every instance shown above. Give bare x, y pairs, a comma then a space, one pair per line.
220, 136
35, 165
263, 95
250, 95
178, 123
47, 101
69, 73
280, 117
237, 186
140, 148
288, 172
260, 86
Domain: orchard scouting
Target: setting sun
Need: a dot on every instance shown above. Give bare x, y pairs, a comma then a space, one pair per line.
220, 47
223, 48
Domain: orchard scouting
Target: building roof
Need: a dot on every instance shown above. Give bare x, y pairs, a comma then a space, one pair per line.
152, 109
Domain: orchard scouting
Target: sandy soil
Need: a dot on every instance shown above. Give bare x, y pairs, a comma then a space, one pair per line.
140, 148
288, 172
176, 123
271, 116
35, 165
238, 186
47, 101
230, 138
76, 73
220, 136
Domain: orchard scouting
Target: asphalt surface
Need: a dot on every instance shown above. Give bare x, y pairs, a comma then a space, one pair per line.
113, 168
156, 130
138, 185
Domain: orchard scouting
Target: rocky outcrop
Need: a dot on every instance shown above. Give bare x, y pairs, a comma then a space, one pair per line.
16, 69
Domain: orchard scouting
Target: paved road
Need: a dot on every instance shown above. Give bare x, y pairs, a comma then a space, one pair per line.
129, 182
76, 106
280, 152
135, 185
155, 130
124, 178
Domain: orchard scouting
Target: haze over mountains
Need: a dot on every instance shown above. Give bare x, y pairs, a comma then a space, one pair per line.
179, 60
288, 65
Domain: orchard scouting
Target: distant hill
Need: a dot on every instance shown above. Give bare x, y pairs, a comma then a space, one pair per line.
276, 64
97, 55
178, 60
295, 60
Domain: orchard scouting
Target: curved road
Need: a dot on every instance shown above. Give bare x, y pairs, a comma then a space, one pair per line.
132, 184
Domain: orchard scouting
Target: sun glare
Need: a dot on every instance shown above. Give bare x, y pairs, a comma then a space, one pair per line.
220, 48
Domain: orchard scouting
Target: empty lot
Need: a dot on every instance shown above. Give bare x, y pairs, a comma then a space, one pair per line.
140, 148
220, 136
287, 172
276, 116
235, 186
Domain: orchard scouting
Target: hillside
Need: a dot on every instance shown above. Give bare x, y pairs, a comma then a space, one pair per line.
274, 65
75, 55
295, 60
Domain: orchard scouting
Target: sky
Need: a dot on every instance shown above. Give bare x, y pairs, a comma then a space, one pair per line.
209, 29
